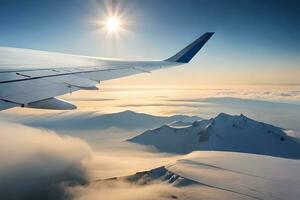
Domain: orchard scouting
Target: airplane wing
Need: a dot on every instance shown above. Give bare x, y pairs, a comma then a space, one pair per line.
34, 79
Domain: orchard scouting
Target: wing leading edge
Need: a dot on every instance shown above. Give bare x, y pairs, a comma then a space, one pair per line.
32, 79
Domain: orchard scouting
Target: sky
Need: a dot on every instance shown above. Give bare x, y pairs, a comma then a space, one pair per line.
249, 66
254, 53
255, 42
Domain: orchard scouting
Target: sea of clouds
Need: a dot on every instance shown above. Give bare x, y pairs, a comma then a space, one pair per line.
41, 164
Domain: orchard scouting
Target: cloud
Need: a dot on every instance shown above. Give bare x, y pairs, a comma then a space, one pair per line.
166, 104
123, 160
37, 164
278, 96
88, 99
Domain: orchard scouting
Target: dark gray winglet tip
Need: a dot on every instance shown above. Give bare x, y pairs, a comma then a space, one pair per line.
186, 54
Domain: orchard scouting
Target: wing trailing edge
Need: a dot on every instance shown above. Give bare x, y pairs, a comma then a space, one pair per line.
52, 104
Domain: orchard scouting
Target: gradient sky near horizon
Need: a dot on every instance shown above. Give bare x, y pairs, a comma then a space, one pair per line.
256, 42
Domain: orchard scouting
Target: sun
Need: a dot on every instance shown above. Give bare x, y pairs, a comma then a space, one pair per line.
113, 24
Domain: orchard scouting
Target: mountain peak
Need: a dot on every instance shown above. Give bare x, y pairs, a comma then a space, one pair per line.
127, 112
237, 121
224, 116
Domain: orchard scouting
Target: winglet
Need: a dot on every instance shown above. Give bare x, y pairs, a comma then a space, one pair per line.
186, 54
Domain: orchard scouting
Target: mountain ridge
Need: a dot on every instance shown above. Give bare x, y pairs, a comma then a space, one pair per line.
236, 133
127, 119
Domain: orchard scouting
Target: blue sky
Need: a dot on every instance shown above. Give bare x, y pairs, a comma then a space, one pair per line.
251, 36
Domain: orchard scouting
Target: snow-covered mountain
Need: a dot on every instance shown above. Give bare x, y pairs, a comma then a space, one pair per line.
222, 133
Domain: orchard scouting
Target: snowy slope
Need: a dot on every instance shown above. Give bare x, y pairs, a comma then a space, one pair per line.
256, 176
222, 175
223, 133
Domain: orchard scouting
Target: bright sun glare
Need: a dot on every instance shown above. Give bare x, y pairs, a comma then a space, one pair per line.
113, 24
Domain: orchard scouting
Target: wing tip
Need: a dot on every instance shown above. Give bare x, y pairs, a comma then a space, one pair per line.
186, 54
